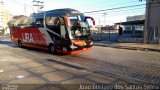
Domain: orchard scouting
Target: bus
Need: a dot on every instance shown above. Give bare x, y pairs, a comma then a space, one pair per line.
61, 30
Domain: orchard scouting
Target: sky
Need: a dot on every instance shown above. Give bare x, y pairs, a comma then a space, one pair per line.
108, 17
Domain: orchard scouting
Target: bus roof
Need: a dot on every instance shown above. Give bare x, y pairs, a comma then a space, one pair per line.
58, 12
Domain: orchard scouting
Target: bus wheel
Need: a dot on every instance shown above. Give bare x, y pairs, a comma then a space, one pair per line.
19, 44
52, 48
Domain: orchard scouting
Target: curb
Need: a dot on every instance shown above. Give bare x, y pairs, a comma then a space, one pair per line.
128, 48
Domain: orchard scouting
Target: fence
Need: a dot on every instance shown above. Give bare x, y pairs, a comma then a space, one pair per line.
105, 37
131, 40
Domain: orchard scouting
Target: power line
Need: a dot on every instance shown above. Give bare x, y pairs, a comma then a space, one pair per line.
23, 5
119, 4
118, 11
115, 8
111, 15
104, 4
18, 3
154, 5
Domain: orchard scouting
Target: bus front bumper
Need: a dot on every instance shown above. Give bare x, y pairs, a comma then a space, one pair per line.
74, 52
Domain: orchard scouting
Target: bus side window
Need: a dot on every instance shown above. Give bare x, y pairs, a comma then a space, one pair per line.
53, 23
38, 22
50, 22
62, 27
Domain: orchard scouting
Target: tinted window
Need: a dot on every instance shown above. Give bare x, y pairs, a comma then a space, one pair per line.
53, 23
38, 22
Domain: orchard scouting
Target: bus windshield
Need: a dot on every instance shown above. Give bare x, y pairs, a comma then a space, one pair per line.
78, 28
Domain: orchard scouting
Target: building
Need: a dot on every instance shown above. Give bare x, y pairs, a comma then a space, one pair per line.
152, 25
135, 18
5, 16
132, 29
133, 26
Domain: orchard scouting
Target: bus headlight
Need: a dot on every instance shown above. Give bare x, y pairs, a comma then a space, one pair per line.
91, 43
73, 46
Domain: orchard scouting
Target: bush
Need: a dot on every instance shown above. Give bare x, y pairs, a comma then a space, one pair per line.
2, 31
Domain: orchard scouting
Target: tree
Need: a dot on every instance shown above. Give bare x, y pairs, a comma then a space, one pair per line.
15, 19
2, 31
18, 16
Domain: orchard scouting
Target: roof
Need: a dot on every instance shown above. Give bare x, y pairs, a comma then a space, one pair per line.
66, 10
58, 12
132, 22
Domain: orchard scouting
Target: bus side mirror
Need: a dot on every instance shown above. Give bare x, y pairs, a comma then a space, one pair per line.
90, 18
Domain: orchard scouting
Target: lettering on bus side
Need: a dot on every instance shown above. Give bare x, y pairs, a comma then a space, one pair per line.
27, 37
34, 38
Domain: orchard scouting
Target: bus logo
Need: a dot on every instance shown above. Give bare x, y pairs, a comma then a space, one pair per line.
27, 37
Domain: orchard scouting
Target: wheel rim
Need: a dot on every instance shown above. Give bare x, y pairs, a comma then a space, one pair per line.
19, 44
52, 48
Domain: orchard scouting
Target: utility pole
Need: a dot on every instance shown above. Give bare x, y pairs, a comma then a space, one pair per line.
104, 22
25, 11
104, 15
38, 4
99, 26
146, 26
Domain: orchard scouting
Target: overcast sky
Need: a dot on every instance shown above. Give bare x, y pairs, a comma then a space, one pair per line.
17, 7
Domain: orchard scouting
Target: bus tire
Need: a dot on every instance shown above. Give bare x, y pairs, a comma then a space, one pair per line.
52, 48
19, 44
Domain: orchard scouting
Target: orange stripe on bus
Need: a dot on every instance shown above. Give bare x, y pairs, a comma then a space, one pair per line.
74, 52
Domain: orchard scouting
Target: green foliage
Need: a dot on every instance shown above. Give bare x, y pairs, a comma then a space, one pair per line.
20, 20
2, 31
18, 16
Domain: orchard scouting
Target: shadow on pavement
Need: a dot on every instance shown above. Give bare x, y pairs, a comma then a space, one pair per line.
5, 42
42, 51
65, 64
8, 43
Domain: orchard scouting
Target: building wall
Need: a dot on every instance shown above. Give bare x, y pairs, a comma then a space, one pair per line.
4, 15
152, 34
134, 27
0, 16
136, 17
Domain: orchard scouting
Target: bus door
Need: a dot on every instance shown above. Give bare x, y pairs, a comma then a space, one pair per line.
56, 30
64, 34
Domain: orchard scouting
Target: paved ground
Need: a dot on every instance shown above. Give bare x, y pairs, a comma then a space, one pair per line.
99, 65
131, 46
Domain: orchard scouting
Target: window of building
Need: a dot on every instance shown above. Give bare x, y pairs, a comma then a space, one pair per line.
128, 28
139, 28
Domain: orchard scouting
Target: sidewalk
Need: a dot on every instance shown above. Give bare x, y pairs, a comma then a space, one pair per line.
130, 46
5, 37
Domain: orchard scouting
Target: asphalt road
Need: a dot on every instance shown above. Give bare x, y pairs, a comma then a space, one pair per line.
99, 65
